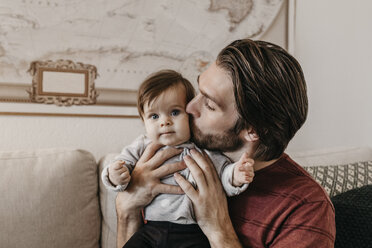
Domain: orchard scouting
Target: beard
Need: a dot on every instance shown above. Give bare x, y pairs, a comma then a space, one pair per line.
228, 141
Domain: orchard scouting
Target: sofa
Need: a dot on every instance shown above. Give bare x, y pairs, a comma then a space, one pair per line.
55, 198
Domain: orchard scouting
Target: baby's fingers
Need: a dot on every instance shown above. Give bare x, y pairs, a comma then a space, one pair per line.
124, 174
248, 162
248, 179
246, 158
124, 177
247, 167
118, 165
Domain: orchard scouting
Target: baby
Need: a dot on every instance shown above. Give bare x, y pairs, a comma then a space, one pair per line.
162, 100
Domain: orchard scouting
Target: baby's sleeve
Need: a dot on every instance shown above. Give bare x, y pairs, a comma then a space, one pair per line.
130, 155
227, 178
225, 169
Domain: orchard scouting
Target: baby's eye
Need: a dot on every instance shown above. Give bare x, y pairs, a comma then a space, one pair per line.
154, 116
175, 112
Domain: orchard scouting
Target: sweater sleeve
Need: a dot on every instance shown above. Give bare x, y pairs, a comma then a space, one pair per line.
130, 155
310, 225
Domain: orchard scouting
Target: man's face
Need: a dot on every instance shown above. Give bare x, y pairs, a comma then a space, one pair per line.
165, 118
213, 112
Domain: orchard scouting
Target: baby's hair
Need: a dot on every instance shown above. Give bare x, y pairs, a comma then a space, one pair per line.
158, 82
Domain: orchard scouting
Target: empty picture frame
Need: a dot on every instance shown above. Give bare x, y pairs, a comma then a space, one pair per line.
63, 83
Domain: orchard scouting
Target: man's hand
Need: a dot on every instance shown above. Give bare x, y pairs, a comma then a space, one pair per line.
118, 173
209, 200
144, 186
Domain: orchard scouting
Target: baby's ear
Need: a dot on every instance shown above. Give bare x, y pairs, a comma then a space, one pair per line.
250, 135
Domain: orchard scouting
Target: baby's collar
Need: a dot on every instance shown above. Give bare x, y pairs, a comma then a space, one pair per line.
188, 145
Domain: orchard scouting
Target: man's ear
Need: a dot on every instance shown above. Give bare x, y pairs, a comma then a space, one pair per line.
250, 135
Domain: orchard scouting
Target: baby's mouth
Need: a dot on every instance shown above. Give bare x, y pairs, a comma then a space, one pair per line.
166, 133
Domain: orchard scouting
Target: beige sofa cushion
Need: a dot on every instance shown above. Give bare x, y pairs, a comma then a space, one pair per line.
49, 199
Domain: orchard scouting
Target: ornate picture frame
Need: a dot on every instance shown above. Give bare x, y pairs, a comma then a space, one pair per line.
63, 83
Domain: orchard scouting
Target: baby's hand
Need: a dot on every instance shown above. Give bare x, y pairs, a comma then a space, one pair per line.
243, 171
118, 173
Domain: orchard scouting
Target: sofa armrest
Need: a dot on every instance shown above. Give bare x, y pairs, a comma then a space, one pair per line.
107, 201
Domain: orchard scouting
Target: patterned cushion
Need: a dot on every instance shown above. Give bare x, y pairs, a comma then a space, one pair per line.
354, 218
337, 179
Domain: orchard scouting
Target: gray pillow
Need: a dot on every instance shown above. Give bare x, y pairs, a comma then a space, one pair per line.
337, 179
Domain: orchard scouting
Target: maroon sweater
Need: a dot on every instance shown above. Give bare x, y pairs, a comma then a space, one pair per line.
283, 207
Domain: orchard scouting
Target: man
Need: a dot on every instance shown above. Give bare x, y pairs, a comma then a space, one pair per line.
253, 100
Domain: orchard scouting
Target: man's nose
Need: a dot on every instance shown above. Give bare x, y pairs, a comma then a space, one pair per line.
193, 107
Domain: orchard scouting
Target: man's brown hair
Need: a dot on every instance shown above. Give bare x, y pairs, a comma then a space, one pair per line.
270, 93
157, 83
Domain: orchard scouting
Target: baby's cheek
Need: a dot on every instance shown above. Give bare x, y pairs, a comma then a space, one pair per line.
151, 133
186, 123
187, 132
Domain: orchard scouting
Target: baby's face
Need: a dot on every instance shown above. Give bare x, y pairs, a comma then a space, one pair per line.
166, 120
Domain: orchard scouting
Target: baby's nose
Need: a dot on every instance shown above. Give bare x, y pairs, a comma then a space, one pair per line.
165, 122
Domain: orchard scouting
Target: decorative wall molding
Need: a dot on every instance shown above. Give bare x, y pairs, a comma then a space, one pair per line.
10, 92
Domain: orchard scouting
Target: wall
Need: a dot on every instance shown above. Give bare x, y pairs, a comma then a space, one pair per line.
97, 135
333, 44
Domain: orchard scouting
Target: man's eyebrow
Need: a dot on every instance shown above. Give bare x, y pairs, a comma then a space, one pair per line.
209, 97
